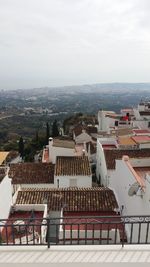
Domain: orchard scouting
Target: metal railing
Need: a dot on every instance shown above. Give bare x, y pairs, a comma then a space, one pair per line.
83, 230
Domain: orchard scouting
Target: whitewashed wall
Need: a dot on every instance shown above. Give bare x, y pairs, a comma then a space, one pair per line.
101, 169
120, 181
64, 181
104, 123
141, 107
59, 151
5, 197
146, 145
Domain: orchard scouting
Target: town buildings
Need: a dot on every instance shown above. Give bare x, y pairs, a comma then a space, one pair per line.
84, 186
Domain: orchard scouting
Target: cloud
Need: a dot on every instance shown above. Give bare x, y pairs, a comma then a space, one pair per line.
75, 39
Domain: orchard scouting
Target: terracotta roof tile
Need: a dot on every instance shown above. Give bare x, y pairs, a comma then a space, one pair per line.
112, 155
78, 165
141, 131
141, 139
32, 173
126, 141
74, 199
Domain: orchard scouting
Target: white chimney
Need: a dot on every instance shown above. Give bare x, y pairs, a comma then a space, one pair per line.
50, 148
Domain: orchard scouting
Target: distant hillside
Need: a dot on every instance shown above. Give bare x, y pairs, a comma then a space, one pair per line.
86, 88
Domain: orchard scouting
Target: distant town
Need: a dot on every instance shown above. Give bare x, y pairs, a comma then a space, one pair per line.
80, 178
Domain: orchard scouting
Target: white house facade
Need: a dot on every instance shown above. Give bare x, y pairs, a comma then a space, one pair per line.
5, 197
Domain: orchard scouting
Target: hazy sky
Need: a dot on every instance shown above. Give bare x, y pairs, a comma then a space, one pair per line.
66, 42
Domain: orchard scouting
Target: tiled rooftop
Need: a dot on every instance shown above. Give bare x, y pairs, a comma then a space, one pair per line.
141, 131
72, 166
112, 155
32, 173
72, 199
141, 139
123, 140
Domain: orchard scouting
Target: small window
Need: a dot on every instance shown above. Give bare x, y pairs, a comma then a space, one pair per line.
116, 123
73, 182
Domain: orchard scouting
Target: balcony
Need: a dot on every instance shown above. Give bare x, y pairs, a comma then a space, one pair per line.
86, 249
83, 230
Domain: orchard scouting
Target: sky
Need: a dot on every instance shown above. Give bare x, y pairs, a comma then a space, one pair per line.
71, 42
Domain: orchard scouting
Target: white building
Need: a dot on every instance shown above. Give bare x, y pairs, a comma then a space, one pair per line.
110, 149
104, 121
60, 147
84, 134
133, 174
128, 118
131, 183
101, 166
72, 172
69, 204
5, 194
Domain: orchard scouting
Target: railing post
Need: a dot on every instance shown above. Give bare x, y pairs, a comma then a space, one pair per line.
123, 233
48, 232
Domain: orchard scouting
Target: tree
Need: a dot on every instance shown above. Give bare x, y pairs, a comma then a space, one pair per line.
47, 132
55, 131
21, 147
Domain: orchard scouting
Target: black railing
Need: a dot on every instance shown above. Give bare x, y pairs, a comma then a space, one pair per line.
91, 230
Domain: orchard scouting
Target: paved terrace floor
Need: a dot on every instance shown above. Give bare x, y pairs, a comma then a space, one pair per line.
84, 256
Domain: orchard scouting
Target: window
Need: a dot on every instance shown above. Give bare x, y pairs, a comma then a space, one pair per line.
73, 182
57, 183
116, 123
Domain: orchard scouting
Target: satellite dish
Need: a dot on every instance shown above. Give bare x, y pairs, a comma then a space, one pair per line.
133, 189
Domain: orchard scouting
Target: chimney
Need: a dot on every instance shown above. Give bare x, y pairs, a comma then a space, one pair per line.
50, 148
